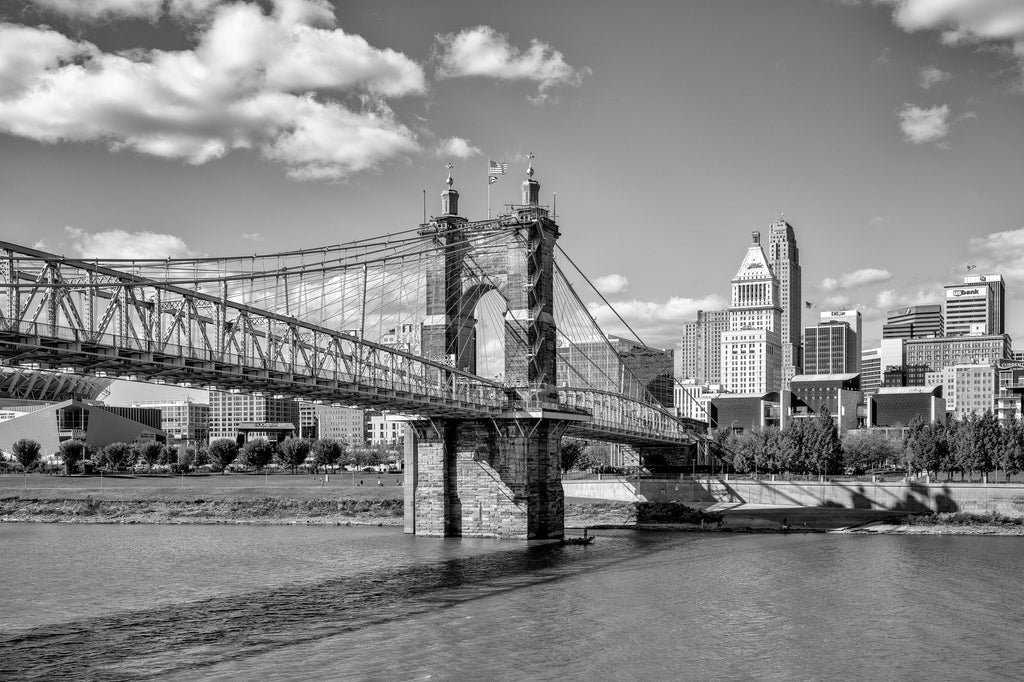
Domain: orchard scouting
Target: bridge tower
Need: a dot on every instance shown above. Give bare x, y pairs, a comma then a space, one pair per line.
501, 476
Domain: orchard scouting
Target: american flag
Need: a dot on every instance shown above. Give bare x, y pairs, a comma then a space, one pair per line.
496, 168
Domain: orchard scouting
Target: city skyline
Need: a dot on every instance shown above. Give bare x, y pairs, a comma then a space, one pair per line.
885, 132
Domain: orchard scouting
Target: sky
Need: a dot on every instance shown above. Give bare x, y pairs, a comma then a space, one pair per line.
887, 132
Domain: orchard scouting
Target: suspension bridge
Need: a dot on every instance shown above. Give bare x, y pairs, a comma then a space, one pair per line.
472, 328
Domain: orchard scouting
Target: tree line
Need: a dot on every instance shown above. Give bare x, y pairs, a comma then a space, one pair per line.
978, 444
293, 453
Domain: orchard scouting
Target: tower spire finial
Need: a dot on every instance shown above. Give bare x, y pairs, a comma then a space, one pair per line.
449, 166
529, 171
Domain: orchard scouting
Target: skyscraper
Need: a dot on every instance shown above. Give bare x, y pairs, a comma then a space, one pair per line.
831, 348
978, 306
700, 347
751, 350
913, 322
852, 318
784, 258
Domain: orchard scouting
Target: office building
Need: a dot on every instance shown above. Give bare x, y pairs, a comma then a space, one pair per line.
831, 348
933, 354
976, 307
230, 411
186, 422
784, 259
691, 398
968, 389
751, 349
387, 428
838, 394
613, 363
875, 361
343, 424
852, 318
913, 322
700, 347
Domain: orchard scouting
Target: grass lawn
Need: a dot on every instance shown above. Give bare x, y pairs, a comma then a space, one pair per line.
215, 486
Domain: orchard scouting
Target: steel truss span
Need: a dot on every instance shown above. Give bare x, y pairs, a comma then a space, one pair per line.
322, 325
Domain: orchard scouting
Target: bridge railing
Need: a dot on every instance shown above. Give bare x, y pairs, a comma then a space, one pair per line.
95, 315
623, 414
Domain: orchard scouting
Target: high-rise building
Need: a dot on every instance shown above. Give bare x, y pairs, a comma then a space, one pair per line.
852, 318
612, 362
344, 424
968, 389
700, 347
831, 348
228, 410
185, 422
913, 322
931, 355
976, 307
751, 350
875, 361
784, 258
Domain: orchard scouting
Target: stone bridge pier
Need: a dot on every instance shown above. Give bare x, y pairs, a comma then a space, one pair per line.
500, 476
493, 478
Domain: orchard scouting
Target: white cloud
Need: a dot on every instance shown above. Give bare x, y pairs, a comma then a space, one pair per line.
657, 323
856, 278
121, 244
148, 10
836, 302
611, 284
889, 299
92, 10
482, 51
921, 125
456, 147
931, 76
999, 253
250, 82
252, 236
966, 21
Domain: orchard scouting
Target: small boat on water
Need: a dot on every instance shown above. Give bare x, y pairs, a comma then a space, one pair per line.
585, 540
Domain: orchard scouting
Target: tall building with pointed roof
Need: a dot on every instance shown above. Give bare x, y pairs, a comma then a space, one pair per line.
784, 257
751, 348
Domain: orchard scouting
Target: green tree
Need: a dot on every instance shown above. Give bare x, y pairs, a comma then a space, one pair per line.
794, 447
1013, 452
257, 453
573, 454
826, 449
118, 456
152, 453
927, 448
742, 449
961, 444
27, 452
71, 452
865, 449
292, 453
223, 452
326, 452
988, 443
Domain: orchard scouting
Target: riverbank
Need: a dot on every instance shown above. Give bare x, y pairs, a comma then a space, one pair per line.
349, 500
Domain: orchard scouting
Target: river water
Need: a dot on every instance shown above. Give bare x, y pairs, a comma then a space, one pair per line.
131, 602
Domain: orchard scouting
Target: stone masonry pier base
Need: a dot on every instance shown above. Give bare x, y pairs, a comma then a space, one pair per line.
484, 478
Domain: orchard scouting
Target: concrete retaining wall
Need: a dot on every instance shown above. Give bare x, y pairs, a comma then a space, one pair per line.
920, 496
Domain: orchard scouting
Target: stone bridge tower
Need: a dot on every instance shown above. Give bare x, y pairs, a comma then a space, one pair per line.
496, 477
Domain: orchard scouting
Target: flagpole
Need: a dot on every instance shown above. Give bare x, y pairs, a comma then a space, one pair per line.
488, 191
